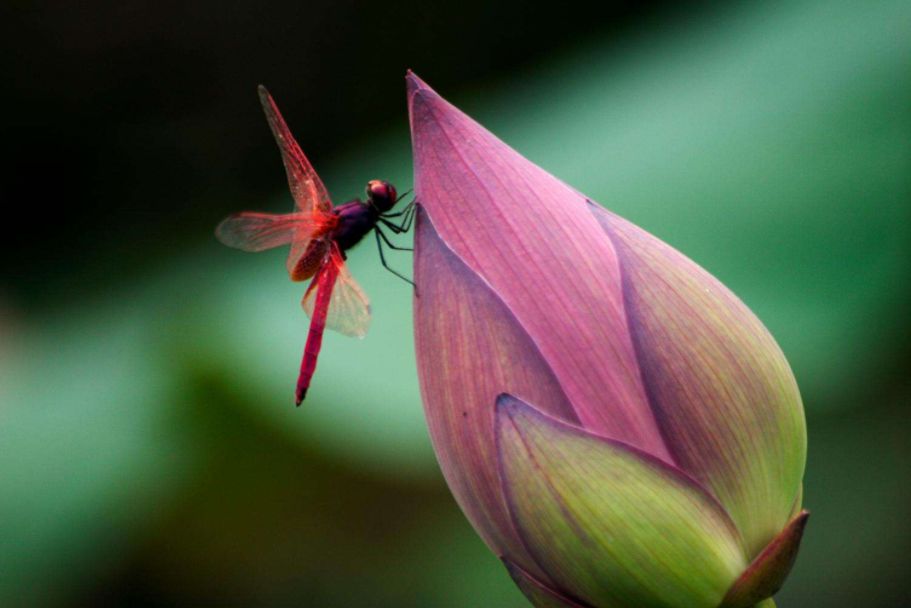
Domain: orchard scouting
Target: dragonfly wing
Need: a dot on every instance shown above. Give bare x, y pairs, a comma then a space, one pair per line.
251, 231
309, 193
349, 308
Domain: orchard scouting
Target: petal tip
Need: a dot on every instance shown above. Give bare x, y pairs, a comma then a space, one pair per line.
507, 403
523, 415
505, 407
417, 90
413, 81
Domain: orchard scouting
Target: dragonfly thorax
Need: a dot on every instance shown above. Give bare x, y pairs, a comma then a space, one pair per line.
356, 219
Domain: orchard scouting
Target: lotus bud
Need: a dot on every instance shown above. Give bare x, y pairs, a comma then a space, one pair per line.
617, 425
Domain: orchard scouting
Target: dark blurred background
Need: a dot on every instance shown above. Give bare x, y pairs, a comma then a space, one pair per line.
150, 454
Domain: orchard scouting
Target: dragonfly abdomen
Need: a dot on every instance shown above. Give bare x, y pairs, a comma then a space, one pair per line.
325, 285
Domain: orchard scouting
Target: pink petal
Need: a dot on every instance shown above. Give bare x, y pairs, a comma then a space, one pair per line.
532, 239
721, 389
470, 348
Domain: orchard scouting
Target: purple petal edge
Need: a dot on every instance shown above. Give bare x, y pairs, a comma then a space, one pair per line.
537, 592
510, 404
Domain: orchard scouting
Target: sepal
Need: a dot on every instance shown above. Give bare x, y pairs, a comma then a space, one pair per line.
764, 577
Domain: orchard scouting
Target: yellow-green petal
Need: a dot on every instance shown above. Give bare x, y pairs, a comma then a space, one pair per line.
617, 527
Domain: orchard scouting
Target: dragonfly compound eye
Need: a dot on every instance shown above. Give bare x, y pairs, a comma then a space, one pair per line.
381, 194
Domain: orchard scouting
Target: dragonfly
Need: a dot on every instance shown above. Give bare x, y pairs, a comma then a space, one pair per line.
319, 235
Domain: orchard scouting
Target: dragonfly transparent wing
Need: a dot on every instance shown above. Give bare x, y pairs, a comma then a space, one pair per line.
349, 308
252, 231
309, 193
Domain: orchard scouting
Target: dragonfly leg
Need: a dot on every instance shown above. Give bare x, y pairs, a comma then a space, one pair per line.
389, 242
408, 212
409, 217
403, 195
405, 226
396, 229
378, 233
405, 210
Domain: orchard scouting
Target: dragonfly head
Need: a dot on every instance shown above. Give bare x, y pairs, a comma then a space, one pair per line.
381, 195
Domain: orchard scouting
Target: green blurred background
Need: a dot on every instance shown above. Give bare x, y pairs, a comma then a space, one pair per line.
150, 453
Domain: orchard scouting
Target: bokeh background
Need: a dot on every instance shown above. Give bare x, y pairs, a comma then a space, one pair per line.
150, 453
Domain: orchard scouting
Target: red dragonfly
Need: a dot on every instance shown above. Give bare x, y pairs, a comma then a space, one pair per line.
319, 235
